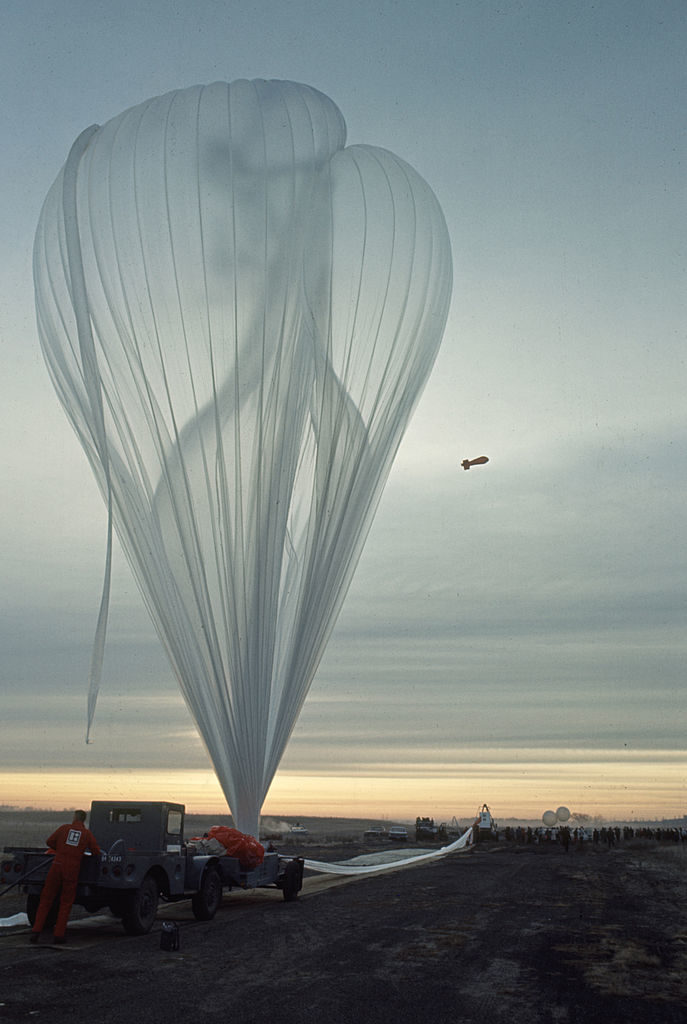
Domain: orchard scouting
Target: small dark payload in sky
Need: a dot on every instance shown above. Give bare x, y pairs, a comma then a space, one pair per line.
466, 463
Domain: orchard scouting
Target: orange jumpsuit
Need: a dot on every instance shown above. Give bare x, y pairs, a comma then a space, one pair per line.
69, 843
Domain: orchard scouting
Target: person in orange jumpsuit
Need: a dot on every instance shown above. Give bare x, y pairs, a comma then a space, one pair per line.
69, 842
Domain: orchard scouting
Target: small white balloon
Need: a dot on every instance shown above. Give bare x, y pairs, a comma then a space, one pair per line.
549, 818
563, 814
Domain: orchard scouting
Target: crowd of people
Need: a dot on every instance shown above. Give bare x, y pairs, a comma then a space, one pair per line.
607, 835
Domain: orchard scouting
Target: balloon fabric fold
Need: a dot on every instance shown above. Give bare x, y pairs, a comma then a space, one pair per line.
239, 313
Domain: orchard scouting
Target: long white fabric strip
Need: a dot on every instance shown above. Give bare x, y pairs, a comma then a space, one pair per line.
351, 868
92, 384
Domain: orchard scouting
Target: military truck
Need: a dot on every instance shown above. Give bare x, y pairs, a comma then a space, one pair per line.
427, 831
145, 858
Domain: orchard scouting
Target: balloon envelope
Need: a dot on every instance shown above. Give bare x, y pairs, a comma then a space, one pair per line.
549, 818
239, 314
563, 814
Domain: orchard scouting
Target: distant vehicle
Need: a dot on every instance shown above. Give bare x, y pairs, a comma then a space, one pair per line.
374, 832
299, 830
398, 833
485, 826
426, 830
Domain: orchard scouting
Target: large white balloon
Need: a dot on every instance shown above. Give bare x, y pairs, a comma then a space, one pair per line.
239, 315
549, 818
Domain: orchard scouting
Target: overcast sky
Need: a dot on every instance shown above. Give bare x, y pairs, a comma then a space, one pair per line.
514, 634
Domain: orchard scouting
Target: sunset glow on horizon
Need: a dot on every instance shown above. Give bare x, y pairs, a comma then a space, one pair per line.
637, 786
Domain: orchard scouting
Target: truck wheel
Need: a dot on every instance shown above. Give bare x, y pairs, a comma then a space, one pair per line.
141, 908
206, 901
32, 902
292, 881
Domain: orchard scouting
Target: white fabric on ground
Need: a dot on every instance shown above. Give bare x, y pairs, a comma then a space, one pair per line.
387, 860
13, 921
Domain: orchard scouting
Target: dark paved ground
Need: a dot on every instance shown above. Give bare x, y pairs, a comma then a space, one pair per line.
499, 934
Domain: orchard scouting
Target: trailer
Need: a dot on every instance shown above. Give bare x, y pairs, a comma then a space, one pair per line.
145, 858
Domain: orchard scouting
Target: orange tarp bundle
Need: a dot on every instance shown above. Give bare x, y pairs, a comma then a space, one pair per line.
247, 850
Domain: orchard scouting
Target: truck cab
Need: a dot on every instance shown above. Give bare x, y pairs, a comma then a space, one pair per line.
147, 825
